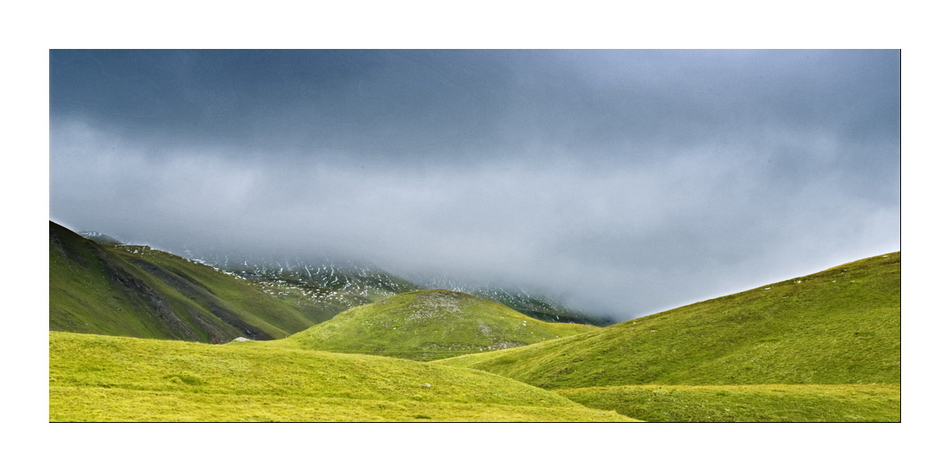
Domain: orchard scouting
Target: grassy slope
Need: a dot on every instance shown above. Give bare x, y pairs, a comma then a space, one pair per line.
429, 324
746, 403
131, 291
839, 326
111, 378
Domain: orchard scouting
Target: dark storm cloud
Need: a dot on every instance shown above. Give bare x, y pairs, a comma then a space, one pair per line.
624, 181
370, 104
375, 103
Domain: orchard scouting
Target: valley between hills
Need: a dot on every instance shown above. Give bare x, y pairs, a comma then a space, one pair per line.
141, 335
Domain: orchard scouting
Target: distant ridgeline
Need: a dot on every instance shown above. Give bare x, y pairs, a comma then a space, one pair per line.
100, 238
533, 305
344, 285
328, 287
99, 285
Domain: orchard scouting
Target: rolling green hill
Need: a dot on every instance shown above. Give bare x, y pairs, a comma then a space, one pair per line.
141, 292
824, 347
429, 324
839, 326
114, 378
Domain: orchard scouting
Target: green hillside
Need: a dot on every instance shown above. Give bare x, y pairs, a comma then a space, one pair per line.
429, 324
112, 378
141, 292
839, 326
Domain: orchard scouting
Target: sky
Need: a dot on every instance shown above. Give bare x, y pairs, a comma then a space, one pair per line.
622, 182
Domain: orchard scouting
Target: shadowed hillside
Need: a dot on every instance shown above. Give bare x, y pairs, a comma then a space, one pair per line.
141, 292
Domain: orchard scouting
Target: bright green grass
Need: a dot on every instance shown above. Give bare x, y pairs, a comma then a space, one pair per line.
110, 405
429, 324
840, 326
746, 403
111, 378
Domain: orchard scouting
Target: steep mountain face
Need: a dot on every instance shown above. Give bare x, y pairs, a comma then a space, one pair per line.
429, 324
141, 292
839, 326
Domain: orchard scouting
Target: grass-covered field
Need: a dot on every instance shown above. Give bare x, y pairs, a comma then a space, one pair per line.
429, 324
746, 403
111, 378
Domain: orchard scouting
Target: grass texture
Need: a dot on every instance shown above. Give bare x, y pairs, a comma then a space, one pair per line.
746, 403
121, 379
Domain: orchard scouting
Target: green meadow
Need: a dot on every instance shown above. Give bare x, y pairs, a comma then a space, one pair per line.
112, 378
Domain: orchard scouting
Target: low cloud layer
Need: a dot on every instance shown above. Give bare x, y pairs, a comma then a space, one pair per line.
624, 182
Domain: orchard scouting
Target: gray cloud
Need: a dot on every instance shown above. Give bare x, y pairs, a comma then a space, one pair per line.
622, 181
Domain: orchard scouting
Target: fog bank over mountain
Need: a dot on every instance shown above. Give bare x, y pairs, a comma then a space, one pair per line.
622, 182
